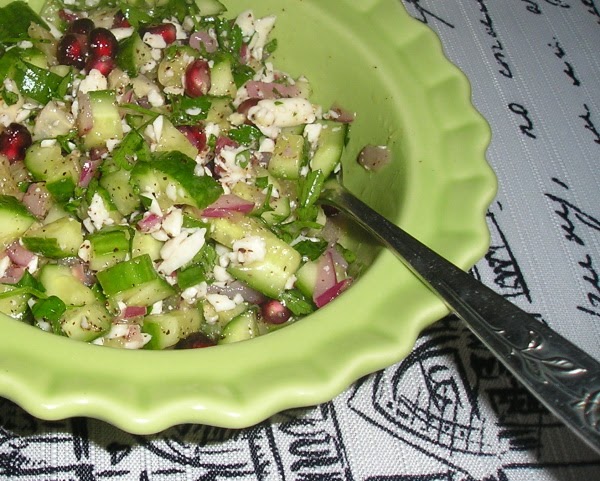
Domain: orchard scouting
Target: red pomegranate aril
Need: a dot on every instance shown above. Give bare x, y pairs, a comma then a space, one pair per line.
274, 312
197, 78
166, 30
195, 134
245, 106
196, 340
120, 21
72, 50
82, 26
103, 43
104, 64
67, 15
14, 141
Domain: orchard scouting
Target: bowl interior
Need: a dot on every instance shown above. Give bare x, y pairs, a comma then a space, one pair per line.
371, 58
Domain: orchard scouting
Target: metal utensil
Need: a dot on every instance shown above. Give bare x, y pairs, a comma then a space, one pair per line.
563, 377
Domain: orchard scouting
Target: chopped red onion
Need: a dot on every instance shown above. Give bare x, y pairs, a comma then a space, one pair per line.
12, 275
88, 170
226, 205
202, 38
133, 311
374, 157
326, 276
149, 222
342, 115
232, 288
270, 90
37, 199
19, 255
331, 293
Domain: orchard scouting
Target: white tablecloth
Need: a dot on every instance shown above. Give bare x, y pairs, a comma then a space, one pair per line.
449, 412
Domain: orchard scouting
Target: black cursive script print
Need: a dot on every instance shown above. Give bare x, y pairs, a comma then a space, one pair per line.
424, 14
527, 127
532, 7
592, 280
559, 52
589, 124
592, 9
498, 50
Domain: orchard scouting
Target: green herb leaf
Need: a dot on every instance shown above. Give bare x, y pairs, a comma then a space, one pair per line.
245, 134
310, 249
189, 111
297, 302
51, 308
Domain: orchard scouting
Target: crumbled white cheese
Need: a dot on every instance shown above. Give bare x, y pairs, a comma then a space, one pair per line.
245, 21
94, 81
158, 127
221, 275
84, 251
112, 143
154, 40
98, 213
173, 222
157, 308
267, 145
262, 27
270, 115
312, 132
192, 294
4, 265
220, 302
155, 98
250, 249
178, 251
33, 264
48, 143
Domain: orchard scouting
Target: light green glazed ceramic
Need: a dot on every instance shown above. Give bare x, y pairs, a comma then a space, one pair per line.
370, 57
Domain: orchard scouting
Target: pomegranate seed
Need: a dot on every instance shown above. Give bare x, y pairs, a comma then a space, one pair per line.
82, 26
72, 50
120, 21
14, 141
103, 43
196, 340
274, 312
197, 78
166, 30
195, 134
104, 64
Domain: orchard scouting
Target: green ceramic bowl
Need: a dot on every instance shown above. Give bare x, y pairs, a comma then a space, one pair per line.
371, 57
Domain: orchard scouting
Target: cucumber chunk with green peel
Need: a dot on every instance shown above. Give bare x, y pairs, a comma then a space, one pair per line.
240, 328
108, 247
306, 278
145, 244
15, 19
58, 239
46, 163
118, 185
167, 329
269, 275
133, 54
173, 139
86, 323
59, 281
288, 156
134, 282
330, 146
106, 120
222, 83
15, 219
170, 177
13, 302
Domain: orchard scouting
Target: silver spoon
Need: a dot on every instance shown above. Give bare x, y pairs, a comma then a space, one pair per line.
563, 377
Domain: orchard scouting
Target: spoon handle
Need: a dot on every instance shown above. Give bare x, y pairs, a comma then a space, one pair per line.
563, 377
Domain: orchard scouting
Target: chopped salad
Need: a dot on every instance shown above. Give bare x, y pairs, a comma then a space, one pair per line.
160, 177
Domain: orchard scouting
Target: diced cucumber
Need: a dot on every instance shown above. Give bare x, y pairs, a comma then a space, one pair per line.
134, 282
329, 147
86, 323
106, 120
288, 156
171, 68
8, 184
173, 139
170, 176
59, 281
222, 83
167, 329
133, 54
58, 239
55, 212
15, 304
46, 163
15, 219
145, 244
240, 328
306, 278
219, 112
210, 7
108, 247
280, 206
117, 184
269, 275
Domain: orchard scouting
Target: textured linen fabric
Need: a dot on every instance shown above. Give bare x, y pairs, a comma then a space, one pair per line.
449, 412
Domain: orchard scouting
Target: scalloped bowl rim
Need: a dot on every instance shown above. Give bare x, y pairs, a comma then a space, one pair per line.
239, 385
